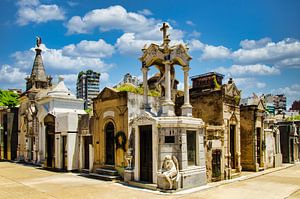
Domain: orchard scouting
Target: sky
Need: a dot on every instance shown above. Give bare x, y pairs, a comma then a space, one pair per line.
256, 42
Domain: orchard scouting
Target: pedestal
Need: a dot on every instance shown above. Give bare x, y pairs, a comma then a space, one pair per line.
186, 110
128, 175
168, 109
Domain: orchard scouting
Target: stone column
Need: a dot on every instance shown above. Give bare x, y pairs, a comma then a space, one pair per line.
168, 104
145, 85
186, 108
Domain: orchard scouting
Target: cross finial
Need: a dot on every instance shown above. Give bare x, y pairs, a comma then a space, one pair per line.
164, 29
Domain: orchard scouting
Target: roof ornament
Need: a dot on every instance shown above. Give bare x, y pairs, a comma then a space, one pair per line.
164, 29
38, 41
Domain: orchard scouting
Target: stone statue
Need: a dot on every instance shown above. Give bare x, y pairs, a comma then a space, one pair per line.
38, 41
170, 170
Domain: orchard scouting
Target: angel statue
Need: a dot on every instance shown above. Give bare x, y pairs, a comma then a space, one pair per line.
38, 41
170, 169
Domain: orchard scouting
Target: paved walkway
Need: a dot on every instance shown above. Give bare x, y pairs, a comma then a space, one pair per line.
19, 181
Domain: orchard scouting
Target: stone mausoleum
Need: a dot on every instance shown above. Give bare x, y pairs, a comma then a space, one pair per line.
161, 148
218, 105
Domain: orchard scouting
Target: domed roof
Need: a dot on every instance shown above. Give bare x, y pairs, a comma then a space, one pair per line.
60, 90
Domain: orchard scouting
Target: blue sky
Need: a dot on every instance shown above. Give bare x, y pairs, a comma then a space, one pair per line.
255, 42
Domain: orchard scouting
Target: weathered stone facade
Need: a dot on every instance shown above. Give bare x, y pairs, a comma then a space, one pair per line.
217, 105
8, 133
253, 143
289, 140
272, 137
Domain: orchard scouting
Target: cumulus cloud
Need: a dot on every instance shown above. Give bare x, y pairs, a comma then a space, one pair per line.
11, 75
195, 44
145, 12
113, 17
267, 52
256, 69
215, 52
94, 49
55, 59
35, 12
248, 83
253, 44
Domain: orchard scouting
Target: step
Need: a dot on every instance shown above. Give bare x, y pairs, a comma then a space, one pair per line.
85, 171
144, 185
105, 177
261, 169
235, 175
110, 172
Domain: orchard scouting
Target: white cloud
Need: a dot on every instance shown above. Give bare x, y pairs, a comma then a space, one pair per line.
268, 52
104, 77
55, 59
215, 52
190, 23
94, 49
34, 11
128, 44
256, 69
253, 44
248, 85
113, 17
11, 75
195, 44
145, 12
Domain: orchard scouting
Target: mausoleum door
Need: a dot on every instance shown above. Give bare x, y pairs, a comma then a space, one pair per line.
258, 138
87, 142
49, 145
110, 144
146, 153
232, 145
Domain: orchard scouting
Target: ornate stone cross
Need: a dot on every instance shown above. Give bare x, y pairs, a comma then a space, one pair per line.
164, 29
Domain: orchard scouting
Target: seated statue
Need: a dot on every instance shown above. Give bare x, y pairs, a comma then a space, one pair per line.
170, 170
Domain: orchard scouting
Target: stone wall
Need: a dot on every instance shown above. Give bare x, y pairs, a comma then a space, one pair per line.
248, 154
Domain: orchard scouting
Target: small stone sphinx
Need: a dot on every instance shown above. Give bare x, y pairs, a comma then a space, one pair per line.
170, 170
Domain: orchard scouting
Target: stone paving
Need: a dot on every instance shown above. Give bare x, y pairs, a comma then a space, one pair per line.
20, 181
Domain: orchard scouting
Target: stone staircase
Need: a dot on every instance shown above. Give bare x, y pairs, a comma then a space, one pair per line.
235, 174
106, 173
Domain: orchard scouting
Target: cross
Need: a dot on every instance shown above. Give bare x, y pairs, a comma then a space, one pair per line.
164, 30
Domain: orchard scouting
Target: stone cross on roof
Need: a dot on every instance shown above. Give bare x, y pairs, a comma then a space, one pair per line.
164, 29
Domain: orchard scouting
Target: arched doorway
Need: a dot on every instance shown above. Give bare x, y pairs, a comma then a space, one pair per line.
49, 122
110, 143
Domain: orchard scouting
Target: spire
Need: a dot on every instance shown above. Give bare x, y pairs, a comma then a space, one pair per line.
38, 77
38, 70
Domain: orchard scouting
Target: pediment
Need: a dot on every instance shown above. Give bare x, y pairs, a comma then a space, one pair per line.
261, 105
107, 93
180, 56
151, 55
232, 90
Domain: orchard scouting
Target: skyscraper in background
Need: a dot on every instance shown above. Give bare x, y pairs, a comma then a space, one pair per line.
87, 87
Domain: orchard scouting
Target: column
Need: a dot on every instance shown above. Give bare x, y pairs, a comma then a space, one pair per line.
168, 104
167, 82
145, 85
186, 109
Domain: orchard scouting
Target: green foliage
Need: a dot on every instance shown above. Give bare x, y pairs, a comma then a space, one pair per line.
291, 118
9, 98
89, 110
136, 89
80, 74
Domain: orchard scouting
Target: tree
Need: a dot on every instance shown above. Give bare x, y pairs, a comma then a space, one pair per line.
9, 98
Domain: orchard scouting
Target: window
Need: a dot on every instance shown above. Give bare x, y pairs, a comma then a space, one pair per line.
169, 139
191, 147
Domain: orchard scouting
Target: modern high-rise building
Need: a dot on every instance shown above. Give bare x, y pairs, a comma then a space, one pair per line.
278, 101
87, 87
